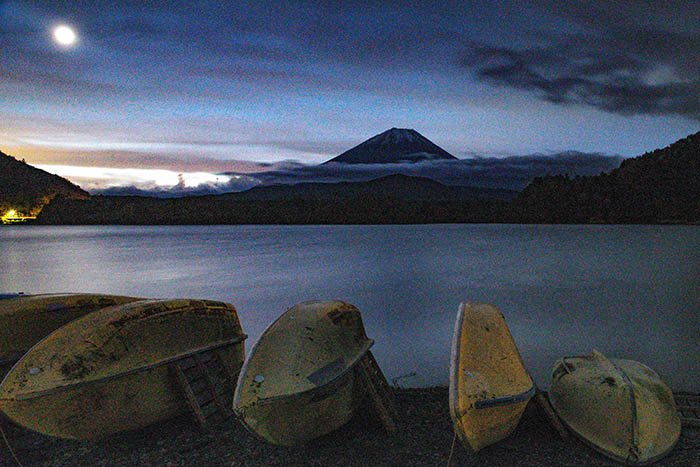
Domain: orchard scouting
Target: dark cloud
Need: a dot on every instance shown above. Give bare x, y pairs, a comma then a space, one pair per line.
290, 78
610, 61
297, 45
601, 15
58, 82
613, 63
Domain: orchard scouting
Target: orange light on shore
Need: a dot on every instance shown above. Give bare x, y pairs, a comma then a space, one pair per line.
6, 218
12, 217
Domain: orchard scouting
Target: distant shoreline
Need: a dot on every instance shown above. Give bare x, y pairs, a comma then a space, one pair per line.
660, 223
658, 188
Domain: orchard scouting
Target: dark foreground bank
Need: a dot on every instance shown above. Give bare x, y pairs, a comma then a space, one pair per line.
424, 438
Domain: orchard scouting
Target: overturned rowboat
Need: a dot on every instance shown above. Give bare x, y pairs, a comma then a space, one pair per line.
300, 380
112, 370
489, 385
26, 319
619, 407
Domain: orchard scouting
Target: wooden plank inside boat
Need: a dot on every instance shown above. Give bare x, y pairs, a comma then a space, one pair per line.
379, 392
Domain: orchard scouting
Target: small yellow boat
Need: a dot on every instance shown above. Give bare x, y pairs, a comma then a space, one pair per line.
299, 381
111, 370
26, 319
489, 385
619, 407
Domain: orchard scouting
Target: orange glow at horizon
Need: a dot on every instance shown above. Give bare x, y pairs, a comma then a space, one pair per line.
107, 177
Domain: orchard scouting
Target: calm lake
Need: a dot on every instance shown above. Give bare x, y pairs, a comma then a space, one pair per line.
628, 291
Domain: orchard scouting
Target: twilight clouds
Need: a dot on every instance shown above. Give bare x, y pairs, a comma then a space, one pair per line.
178, 94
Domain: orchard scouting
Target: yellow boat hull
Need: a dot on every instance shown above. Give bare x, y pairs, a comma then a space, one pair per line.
489, 385
297, 419
300, 380
26, 319
109, 371
619, 407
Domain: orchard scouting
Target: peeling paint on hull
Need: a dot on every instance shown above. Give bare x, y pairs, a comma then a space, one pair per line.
26, 319
300, 382
109, 371
489, 385
619, 407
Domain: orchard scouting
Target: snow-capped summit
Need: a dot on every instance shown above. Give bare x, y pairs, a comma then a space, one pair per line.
392, 146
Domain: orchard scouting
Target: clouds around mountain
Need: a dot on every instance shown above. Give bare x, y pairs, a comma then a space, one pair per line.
513, 172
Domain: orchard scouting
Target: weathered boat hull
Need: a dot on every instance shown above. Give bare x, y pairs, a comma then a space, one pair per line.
489, 385
297, 419
110, 371
619, 407
300, 381
26, 319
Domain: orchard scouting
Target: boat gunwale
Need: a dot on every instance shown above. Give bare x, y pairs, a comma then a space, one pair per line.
65, 296
454, 379
181, 356
505, 400
11, 295
591, 444
608, 454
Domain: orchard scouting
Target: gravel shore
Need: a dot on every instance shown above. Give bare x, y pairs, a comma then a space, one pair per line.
425, 437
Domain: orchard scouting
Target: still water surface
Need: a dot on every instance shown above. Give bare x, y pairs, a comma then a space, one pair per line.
628, 291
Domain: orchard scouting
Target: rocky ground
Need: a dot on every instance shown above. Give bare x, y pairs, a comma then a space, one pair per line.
425, 437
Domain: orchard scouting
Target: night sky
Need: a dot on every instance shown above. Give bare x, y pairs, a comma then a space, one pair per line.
215, 87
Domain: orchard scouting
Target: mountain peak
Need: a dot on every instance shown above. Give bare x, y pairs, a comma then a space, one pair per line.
393, 146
